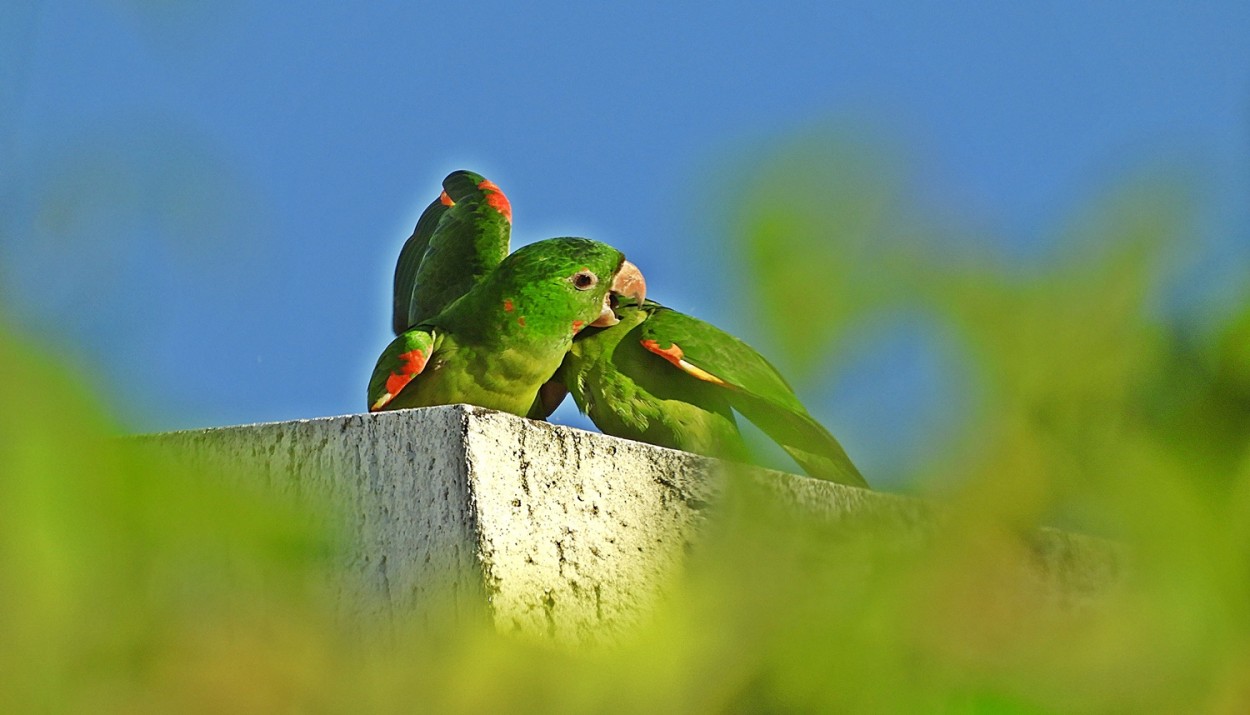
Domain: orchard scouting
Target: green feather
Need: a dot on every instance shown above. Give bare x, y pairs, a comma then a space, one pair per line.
409, 261
452, 248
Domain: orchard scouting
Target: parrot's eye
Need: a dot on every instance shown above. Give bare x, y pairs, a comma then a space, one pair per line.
584, 280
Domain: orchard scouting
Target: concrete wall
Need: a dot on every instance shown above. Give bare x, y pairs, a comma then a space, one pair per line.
546, 530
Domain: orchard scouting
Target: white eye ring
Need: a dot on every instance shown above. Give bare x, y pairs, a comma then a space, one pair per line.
584, 280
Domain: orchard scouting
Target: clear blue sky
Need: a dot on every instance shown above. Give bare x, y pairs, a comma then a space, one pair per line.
204, 199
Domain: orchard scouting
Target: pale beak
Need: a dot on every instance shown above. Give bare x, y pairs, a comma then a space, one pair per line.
627, 282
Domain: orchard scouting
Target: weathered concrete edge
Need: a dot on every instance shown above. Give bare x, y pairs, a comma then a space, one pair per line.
674, 491
405, 503
532, 525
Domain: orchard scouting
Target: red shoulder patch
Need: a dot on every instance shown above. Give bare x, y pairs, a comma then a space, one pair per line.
445, 200
495, 199
411, 365
396, 382
674, 354
413, 362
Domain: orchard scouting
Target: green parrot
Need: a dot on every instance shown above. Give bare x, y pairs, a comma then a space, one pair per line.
501, 341
461, 236
666, 378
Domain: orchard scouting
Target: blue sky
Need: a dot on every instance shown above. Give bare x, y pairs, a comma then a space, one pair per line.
204, 200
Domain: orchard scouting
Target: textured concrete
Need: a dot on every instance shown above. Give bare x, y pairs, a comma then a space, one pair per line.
547, 530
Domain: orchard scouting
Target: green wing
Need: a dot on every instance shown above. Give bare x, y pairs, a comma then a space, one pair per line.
471, 238
708, 349
410, 260
401, 361
628, 392
755, 388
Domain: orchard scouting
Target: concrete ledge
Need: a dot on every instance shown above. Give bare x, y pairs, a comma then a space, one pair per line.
545, 530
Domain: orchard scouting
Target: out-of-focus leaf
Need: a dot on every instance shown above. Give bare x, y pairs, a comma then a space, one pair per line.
809, 221
131, 584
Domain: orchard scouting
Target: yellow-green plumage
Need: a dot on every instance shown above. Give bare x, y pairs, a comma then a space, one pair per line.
666, 378
627, 391
498, 343
459, 239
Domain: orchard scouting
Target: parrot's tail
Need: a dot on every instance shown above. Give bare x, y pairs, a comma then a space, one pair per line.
803, 438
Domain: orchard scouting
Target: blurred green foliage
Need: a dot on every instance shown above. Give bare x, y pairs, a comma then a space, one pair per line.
130, 584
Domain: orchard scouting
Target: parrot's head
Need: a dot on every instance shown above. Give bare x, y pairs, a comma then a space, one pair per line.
570, 282
628, 288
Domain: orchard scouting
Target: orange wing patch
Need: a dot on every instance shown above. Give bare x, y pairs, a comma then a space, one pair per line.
411, 365
445, 200
495, 199
674, 355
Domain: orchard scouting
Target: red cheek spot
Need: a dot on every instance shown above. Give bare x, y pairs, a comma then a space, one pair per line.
495, 199
521, 321
445, 200
507, 305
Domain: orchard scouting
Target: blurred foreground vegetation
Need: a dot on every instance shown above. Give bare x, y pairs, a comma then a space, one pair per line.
129, 584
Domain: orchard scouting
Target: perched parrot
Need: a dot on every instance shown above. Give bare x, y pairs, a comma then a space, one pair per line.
498, 343
461, 236
663, 377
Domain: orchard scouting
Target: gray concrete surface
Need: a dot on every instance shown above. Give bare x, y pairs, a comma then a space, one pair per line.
546, 530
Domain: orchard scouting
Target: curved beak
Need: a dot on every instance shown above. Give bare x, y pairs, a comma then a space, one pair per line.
627, 282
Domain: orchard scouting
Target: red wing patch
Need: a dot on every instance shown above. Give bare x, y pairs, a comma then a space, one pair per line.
411, 365
674, 355
397, 382
578, 325
495, 199
507, 305
445, 200
413, 362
